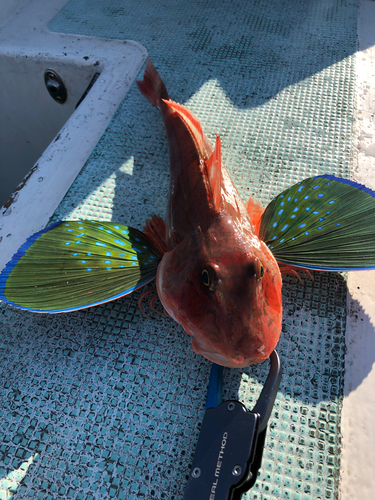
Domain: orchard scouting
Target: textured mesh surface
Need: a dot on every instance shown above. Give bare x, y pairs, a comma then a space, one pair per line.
103, 403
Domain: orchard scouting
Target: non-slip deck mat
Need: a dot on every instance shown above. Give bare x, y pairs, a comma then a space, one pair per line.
103, 403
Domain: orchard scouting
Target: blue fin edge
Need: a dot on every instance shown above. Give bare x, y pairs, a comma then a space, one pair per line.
347, 181
42, 311
4, 275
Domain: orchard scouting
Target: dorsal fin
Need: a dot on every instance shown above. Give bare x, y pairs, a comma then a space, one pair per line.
214, 174
192, 124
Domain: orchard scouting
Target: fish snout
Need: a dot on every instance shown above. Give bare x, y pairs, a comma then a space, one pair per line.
227, 356
237, 358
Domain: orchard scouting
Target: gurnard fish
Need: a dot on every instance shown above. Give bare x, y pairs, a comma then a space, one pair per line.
217, 278
217, 262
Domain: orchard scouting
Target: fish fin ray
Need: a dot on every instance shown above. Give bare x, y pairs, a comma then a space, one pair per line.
288, 269
214, 174
72, 265
152, 86
155, 229
324, 223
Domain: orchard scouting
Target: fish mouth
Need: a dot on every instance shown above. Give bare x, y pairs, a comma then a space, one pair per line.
221, 360
237, 361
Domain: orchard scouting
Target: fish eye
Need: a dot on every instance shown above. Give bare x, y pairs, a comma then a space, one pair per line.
205, 277
261, 274
210, 275
256, 270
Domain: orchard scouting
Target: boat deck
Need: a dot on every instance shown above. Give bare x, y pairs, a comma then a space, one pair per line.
106, 404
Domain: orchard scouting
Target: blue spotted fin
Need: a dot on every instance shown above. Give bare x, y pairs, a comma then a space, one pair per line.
71, 265
324, 223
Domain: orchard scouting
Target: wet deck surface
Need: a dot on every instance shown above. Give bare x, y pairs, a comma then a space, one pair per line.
104, 403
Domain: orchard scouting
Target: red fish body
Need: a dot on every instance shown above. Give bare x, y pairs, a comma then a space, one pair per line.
217, 278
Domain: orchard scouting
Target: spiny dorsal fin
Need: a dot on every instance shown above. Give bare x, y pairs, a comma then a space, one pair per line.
192, 123
214, 174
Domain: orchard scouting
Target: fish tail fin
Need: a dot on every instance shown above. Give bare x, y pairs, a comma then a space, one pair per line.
152, 86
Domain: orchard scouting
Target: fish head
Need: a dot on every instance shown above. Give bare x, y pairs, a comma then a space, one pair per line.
224, 287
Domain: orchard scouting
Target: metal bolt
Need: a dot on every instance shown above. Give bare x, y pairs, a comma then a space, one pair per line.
231, 406
55, 86
237, 469
196, 472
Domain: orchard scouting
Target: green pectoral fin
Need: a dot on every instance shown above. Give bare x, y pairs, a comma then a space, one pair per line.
76, 264
324, 223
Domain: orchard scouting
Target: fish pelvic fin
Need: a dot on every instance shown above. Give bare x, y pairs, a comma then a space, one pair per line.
214, 174
152, 86
192, 123
156, 232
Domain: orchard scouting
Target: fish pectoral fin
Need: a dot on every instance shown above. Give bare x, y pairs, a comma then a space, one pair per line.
72, 265
324, 223
214, 174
